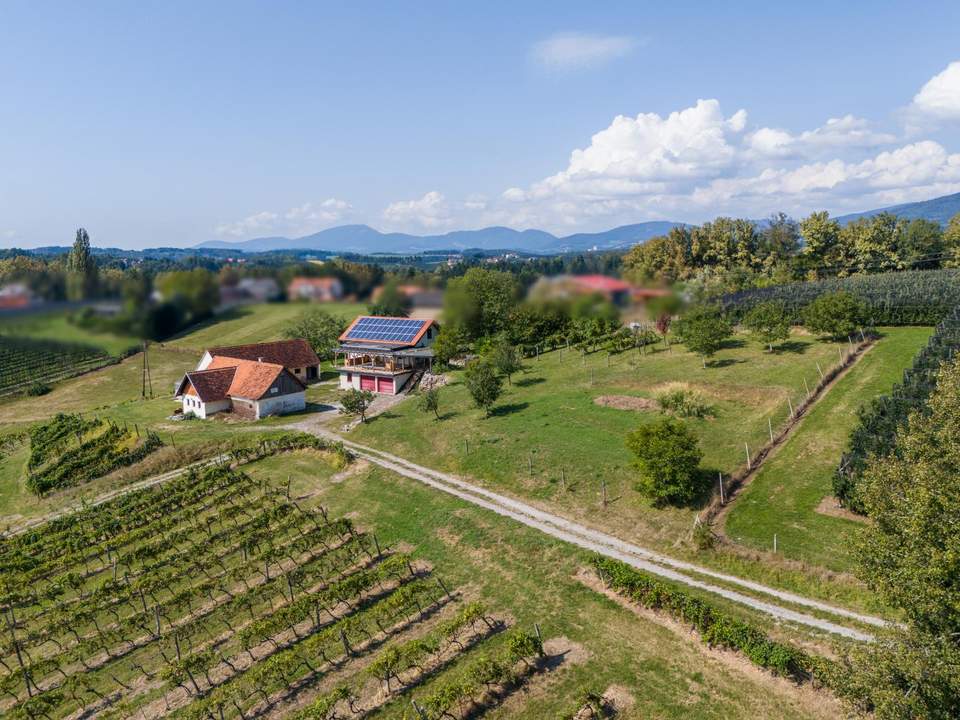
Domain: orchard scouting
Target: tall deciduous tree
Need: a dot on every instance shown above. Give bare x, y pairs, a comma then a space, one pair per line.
81, 268
392, 301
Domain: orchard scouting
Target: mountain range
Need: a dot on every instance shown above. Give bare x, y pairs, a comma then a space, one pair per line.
366, 240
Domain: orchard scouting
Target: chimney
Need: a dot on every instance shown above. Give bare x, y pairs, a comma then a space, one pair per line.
259, 359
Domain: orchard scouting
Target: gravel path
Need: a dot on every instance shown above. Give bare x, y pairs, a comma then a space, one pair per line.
655, 563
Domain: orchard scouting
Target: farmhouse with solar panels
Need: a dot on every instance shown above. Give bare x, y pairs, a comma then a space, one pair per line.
385, 354
251, 381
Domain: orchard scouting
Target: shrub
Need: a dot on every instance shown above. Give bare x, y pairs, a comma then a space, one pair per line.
685, 403
356, 402
484, 384
38, 388
667, 457
836, 315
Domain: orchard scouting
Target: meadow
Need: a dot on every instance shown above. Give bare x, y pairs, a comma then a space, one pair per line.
784, 496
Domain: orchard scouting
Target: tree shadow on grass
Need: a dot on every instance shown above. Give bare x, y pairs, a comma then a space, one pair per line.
508, 409
725, 362
796, 347
448, 415
733, 343
527, 382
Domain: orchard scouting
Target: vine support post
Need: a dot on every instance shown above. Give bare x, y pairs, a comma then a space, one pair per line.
820, 371
747, 448
790, 405
770, 428
603, 490
806, 386
722, 499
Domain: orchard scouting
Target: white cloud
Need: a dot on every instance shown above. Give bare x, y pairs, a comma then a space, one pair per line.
844, 132
430, 212
300, 220
940, 97
696, 163
574, 51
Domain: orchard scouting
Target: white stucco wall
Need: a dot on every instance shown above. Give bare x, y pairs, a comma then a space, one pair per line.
282, 404
398, 381
205, 361
193, 404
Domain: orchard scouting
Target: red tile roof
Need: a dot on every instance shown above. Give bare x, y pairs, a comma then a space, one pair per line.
288, 353
210, 385
601, 283
252, 379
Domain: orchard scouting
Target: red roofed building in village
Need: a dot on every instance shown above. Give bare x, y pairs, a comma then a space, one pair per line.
326, 289
252, 381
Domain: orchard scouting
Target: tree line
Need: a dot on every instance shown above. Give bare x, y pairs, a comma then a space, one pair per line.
730, 254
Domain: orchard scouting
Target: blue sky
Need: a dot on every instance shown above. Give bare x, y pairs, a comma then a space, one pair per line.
175, 123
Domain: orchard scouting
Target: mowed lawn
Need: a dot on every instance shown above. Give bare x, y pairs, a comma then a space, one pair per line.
550, 441
783, 497
528, 577
254, 323
55, 325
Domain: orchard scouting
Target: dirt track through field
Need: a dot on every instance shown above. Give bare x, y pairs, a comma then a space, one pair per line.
641, 558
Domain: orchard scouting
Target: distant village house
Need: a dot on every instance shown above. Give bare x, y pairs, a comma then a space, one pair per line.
327, 289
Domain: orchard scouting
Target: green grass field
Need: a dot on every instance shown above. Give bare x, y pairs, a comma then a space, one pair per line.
55, 325
784, 495
548, 422
254, 323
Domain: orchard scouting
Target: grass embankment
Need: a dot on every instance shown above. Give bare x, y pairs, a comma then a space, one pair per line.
783, 497
661, 669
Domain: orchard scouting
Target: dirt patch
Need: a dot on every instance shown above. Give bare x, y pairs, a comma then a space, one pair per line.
627, 402
356, 467
819, 703
831, 506
620, 698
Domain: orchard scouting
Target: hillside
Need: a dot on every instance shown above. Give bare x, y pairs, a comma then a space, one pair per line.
939, 209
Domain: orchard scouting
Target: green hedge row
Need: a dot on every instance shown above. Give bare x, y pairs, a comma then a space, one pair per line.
913, 297
879, 421
714, 626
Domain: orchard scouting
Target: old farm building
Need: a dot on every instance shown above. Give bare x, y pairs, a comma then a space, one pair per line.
384, 354
251, 381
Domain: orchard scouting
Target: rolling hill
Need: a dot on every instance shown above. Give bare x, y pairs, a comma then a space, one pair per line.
939, 209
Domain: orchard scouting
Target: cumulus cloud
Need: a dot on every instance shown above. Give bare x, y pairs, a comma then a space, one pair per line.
940, 96
431, 212
699, 162
575, 51
300, 220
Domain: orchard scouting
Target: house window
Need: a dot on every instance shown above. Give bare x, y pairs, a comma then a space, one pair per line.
429, 333
273, 391
349, 377
297, 371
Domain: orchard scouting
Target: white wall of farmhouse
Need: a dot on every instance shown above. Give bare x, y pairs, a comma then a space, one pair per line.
196, 406
292, 402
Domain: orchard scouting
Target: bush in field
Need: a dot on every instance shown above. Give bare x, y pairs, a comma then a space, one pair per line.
703, 329
430, 401
768, 322
667, 457
484, 384
505, 358
685, 403
356, 402
836, 315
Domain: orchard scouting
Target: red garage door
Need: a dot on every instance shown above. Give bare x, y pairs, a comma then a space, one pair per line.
368, 382
385, 385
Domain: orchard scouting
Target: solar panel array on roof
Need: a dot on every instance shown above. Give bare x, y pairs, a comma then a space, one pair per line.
399, 330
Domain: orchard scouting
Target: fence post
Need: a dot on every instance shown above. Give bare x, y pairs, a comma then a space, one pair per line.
722, 501
770, 428
747, 448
